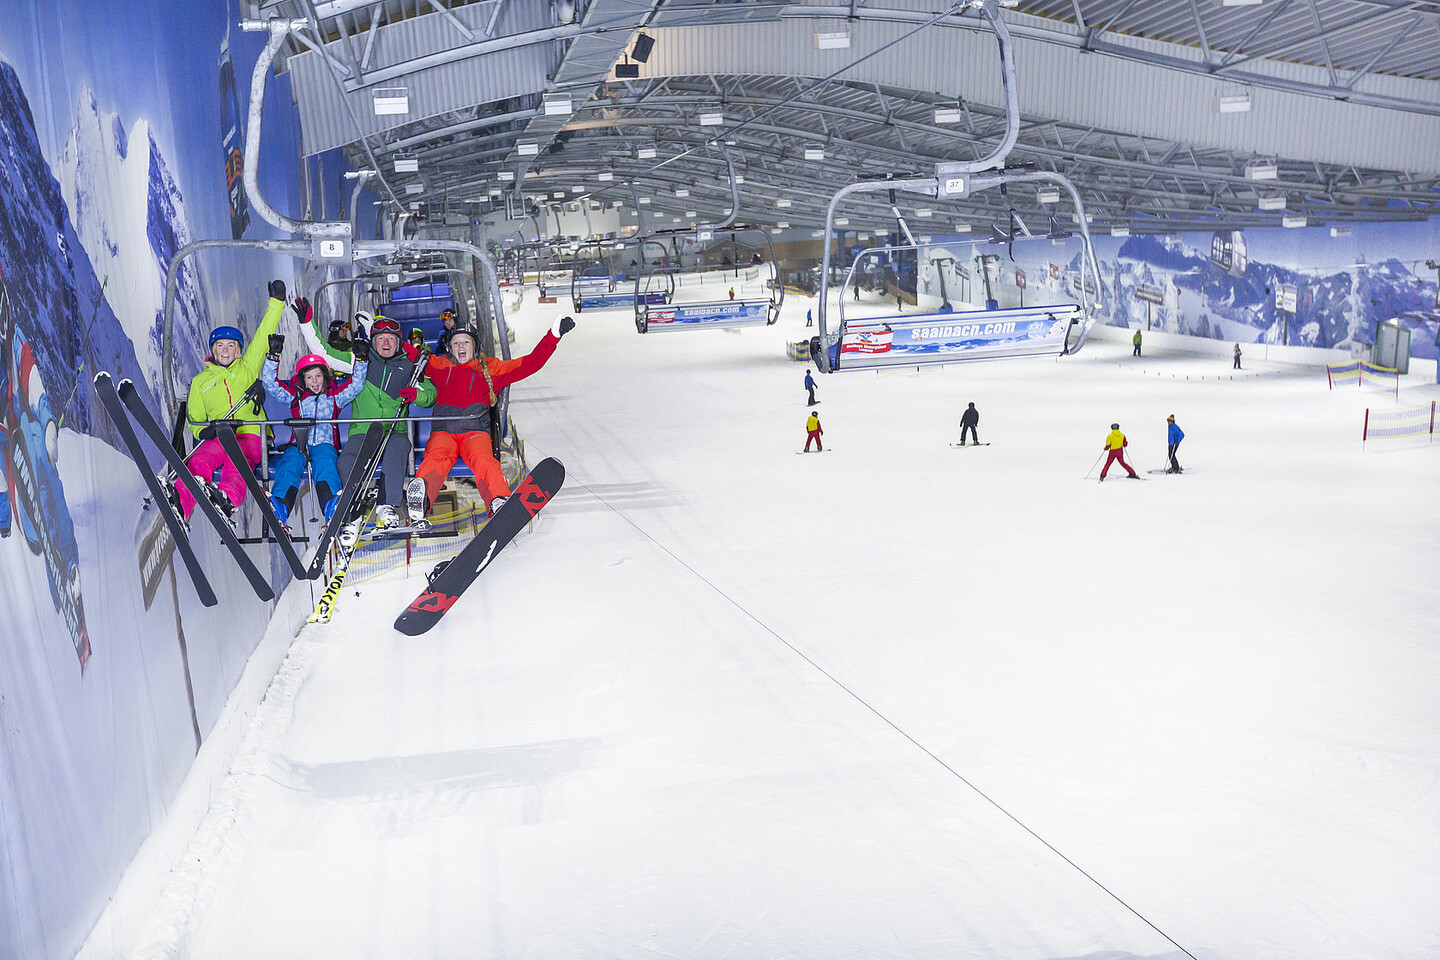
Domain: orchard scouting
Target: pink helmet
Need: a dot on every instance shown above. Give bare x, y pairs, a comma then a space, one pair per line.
311, 360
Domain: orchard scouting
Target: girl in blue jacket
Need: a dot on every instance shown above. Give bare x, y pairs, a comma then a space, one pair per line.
314, 393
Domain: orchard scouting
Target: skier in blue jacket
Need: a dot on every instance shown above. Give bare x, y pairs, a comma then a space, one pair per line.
810, 388
1176, 435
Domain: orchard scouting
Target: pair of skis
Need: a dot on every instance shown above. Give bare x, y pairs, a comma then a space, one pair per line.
124, 405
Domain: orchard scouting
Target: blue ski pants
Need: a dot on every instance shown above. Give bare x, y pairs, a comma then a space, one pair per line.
290, 470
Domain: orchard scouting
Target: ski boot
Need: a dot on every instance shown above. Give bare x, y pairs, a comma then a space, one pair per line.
282, 512
167, 483
415, 499
496, 503
386, 517
222, 503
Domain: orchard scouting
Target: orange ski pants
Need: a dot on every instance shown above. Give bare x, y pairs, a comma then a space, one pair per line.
441, 451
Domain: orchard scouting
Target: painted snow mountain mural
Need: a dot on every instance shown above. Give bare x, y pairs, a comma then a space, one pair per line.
53, 289
1335, 308
131, 220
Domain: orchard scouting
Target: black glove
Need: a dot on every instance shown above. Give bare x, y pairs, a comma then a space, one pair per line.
207, 433
277, 289
256, 395
360, 350
566, 325
301, 306
277, 344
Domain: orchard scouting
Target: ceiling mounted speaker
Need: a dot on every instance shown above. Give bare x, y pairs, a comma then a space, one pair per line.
627, 71
644, 43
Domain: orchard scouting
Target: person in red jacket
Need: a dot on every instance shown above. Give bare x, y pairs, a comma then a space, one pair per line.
466, 385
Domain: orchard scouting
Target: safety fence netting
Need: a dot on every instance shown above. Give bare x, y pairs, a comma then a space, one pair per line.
1365, 375
1404, 422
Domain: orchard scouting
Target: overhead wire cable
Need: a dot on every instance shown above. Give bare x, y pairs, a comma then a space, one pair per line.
876, 711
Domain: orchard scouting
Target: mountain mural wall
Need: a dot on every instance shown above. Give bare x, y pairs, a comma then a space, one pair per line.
1343, 285
111, 160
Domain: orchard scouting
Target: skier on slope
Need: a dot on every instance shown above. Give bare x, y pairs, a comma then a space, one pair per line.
1116, 443
466, 385
1175, 435
314, 394
224, 380
969, 420
810, 388
813, 431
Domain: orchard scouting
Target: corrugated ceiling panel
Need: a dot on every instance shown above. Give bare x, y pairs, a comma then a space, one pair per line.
455, 86
1061, 83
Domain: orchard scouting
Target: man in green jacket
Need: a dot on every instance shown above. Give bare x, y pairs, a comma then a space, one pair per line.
1136, 341
216, 393
387, 392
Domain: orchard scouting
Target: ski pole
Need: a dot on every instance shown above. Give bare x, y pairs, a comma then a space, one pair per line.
1093, 466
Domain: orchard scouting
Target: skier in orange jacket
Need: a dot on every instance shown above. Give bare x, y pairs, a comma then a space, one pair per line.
466, 385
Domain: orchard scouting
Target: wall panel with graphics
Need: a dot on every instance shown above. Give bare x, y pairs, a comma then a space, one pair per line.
116, 133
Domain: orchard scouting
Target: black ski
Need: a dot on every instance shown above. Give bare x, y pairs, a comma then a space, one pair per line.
228, 440
986, 444
110, 400
364, 464
453, 578
131, 398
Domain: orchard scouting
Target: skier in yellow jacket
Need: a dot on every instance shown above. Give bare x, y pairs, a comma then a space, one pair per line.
813, 430
1116, 444
227, 376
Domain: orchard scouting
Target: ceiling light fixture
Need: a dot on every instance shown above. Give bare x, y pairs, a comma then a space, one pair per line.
390, 101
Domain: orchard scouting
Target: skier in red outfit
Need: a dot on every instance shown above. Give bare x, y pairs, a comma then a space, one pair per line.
1116, 444
466, 385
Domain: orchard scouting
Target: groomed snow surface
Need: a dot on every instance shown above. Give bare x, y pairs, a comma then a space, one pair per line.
899, 700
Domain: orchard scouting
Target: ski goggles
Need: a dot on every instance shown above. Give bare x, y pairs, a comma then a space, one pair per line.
384, 325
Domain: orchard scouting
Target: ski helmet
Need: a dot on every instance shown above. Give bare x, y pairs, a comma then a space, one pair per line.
339, 325
383, 324
308, 361
447, 314
1114, 426
226, 333
466, 331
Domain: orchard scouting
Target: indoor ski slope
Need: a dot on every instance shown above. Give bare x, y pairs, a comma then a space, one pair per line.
727, 701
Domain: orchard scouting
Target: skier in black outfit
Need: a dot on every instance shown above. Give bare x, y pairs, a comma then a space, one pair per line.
810, 386
969, 420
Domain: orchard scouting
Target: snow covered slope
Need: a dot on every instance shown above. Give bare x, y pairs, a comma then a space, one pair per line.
726, 701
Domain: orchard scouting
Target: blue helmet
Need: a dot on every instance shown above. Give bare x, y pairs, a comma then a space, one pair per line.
225, 333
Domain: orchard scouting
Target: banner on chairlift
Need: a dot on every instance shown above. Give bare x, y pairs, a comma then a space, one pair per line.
601, 300
732, 313
957, 336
